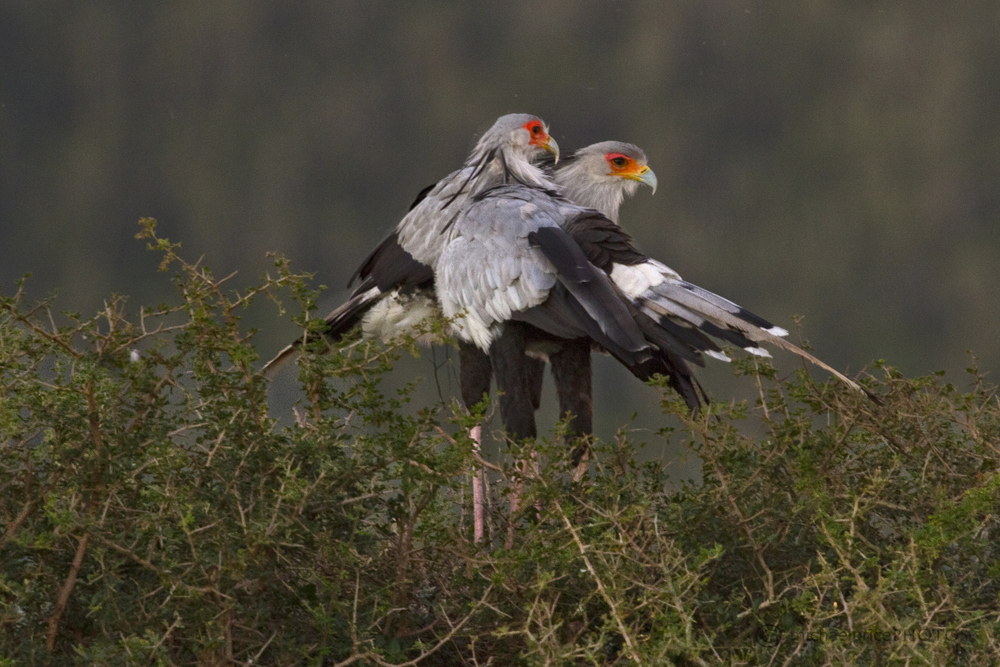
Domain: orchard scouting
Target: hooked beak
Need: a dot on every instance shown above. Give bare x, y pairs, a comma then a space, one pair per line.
645, 175
551, 146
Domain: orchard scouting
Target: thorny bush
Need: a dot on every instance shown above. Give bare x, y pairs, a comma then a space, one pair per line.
155, 513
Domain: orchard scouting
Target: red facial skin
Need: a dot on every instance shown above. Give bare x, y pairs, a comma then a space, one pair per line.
539, 137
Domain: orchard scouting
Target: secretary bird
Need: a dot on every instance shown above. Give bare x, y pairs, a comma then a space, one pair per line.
395, 293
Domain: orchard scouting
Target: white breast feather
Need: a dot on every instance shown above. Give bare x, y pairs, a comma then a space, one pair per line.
395, 316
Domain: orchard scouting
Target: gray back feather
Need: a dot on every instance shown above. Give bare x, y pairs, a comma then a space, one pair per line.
492, 268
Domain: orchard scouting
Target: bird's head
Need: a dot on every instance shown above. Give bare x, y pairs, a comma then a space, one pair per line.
538, 139
601, 175
616, 163
520, 136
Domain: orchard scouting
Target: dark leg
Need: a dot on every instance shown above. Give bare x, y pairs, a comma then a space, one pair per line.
535, 373
516, 409
474, 373
574, 384
513, 380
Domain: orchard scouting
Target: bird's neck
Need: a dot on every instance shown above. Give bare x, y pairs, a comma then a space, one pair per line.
581, 188
510, 167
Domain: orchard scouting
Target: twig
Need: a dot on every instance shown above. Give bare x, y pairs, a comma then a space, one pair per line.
81, 548
423, 656
166, 634
16, 523
127, 552
600, 585
253, 661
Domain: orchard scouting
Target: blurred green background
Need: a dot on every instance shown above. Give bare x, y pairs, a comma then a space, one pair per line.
836, 160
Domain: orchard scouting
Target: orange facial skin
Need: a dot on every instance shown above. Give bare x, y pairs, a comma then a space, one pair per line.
626, 167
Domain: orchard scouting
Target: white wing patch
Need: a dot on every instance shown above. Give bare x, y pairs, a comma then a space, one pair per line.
636, 279
662, 269
633, 280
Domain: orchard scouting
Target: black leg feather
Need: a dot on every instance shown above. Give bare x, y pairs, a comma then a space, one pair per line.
513, 382
574, 384
474, 373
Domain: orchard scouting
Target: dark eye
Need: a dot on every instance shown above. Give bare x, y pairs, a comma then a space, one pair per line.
619, 162
535, 129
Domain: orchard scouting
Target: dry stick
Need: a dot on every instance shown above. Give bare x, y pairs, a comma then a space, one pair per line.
745, 524
16, 523
256, 658
600, 585
354, 613
760, 388
52, 338
127, 552
81, 549
420, 658
404, 556
528, 469
844, 558
229, 635
29, 502
173, 625
50, 640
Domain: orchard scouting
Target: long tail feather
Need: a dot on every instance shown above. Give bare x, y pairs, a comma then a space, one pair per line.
338, 323
792, 347
682, 299
272, 367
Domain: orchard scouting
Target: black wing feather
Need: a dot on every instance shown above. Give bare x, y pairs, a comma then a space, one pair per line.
603, 242
563, 316
678, 375
422, 195
591, 288
389, 267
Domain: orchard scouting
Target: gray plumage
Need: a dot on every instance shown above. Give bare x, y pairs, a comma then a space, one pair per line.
395, 294
507, 258
503, 152
586, 178
657, 290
